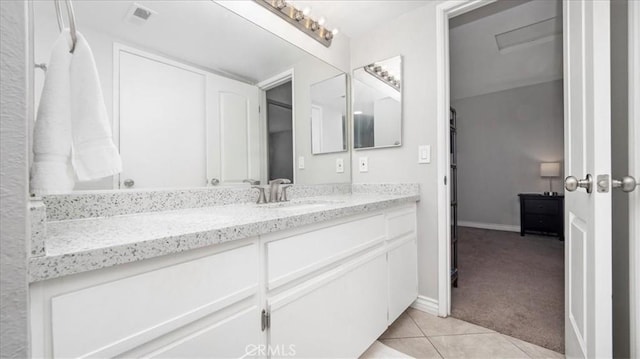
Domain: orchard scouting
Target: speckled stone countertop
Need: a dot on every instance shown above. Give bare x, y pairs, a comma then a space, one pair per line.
80, 245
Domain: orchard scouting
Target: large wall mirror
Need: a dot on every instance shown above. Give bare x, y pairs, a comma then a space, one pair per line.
329, 115
200, 96
377, 104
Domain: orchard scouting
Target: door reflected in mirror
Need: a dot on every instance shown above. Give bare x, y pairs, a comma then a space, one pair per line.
328, 115
377, 104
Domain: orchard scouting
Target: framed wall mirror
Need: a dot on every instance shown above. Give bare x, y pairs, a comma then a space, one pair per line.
329, 115
199, 96
377, 104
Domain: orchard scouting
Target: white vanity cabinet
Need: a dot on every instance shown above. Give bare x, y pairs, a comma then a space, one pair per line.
202, 303
323, 290
332, 291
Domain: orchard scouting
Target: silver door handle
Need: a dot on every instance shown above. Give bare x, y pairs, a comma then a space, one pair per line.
129, 183
571, 183
626, 184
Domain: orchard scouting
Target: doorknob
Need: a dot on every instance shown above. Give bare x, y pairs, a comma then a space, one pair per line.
129, 183
626, 184
571, 183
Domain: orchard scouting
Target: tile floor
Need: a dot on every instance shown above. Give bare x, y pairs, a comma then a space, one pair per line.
420, 335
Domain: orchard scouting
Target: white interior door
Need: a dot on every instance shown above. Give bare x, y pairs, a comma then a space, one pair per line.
162, 123
233, 131
588, 318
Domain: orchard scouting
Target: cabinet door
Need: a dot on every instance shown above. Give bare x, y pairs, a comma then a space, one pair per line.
403, 276
337, 315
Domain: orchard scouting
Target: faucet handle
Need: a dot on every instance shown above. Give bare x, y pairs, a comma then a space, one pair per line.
261, 196
280, 181
251, 181
283, 194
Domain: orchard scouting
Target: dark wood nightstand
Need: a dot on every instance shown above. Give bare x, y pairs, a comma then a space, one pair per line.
541, 214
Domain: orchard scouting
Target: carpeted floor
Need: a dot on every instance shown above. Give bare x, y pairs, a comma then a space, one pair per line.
512, 284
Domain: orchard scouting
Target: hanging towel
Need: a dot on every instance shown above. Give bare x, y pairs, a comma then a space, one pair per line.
72, 136
94, 154
51, 172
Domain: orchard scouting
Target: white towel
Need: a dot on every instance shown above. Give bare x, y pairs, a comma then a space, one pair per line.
51, 172
94, 154
72, 132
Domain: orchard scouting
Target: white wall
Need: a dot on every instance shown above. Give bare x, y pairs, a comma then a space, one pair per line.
14, 180
502, 138
411, 35
319, 168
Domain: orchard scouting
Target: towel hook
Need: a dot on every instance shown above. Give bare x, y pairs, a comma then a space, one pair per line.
72, 21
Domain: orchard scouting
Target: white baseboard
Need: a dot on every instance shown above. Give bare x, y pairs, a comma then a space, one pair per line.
495, 227
425, 304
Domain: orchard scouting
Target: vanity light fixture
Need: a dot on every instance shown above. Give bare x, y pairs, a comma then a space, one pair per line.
301, 20
383, 75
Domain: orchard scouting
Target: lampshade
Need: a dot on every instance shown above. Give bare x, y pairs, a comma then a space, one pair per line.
550, 169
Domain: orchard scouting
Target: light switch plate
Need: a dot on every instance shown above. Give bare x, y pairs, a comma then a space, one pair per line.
339, 165
424, 154
364, 164
301, 162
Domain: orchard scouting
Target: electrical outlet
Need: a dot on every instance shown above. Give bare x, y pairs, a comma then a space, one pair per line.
339, 165
424, 154
364, 164
301, 162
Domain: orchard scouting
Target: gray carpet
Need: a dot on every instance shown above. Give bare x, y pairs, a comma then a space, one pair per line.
512, 284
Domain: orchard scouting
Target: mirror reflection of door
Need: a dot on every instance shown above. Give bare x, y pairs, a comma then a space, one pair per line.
280, 131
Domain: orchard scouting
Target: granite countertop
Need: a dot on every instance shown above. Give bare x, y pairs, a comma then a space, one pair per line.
80, 245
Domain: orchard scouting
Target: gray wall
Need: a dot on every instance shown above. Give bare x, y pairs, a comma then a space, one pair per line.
502, 138
413, 36
13, 180
619, 168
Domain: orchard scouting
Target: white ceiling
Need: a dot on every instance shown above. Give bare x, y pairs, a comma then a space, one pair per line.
479, 67
355, 17
202, 33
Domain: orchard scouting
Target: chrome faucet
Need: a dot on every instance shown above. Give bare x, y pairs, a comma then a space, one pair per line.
251, 181
274, 186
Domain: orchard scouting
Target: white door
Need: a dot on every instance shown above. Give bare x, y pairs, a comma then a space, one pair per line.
233, 144
162, 123
588, 323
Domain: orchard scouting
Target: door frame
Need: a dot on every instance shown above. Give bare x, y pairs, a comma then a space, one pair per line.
634, 170
444, 12
268, 84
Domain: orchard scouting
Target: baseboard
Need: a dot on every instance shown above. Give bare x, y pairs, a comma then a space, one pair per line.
425, 304
495, 227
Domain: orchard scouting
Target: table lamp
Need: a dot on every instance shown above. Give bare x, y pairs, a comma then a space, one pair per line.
550, 170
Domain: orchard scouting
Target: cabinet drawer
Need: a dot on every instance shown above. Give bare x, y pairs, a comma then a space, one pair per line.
538, 222
292, 257
108, 319
541, 206
401, 223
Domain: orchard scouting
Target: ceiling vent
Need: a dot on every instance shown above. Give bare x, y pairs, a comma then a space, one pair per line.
139, 14
536, 33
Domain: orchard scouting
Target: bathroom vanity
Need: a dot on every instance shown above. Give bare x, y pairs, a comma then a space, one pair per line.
319, 276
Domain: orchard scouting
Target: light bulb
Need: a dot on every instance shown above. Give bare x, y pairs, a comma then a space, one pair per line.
321, 21
335, 31
306, 11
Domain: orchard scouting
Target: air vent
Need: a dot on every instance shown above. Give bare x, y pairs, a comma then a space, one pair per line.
142, 13
139, 14
539, 32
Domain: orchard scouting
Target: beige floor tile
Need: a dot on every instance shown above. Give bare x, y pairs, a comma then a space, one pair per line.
534, 351
416, 347
403, 327
477, 346
382, 351
433, 326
